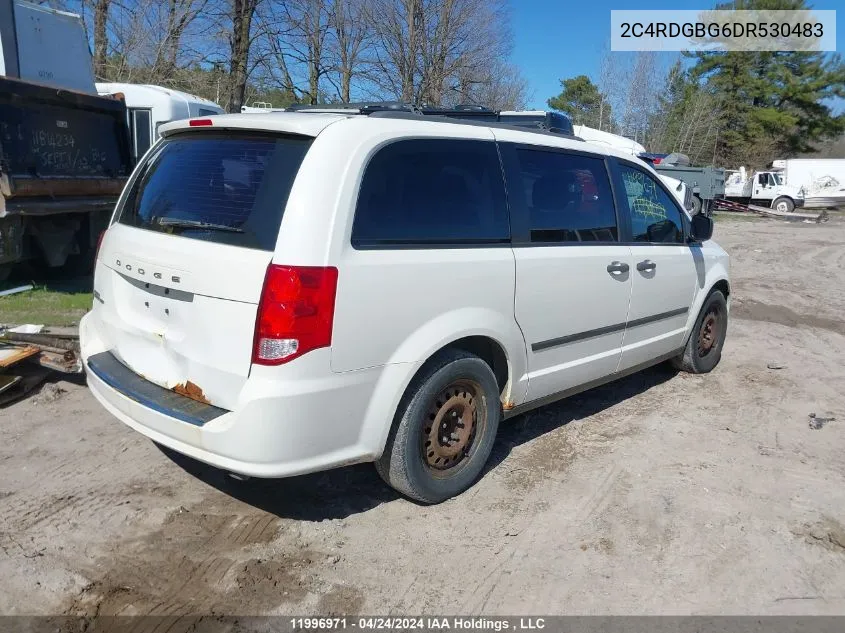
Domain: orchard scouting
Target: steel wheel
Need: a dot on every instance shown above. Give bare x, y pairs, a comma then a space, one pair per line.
453, 419
782, 206
708, 333
445, 427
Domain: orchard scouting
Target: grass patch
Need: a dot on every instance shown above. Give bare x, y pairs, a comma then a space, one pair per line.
51, 304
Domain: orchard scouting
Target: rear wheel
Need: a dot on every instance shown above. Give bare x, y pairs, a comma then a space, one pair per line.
784, 204
704, 347
696, 205
445, 428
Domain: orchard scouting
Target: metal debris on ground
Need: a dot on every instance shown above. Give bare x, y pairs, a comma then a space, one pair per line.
7, 382
728, 205
817, 423
14, 291
26, 328
28, 378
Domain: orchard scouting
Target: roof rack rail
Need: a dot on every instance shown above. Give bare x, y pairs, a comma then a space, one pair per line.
472, 107
362, 107
470, 114
399, 114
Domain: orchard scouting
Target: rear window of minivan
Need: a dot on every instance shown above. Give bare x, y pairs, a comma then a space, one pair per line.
226, 188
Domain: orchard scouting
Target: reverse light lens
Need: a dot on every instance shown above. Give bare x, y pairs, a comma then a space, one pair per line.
295, 314
272, 348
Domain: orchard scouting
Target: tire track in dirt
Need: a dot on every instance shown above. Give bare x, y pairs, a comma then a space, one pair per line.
753, 310
203, 561
194, 564
56, 511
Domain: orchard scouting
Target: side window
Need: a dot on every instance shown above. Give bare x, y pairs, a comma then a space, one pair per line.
432, 191
141, 131
568, 197
654, 215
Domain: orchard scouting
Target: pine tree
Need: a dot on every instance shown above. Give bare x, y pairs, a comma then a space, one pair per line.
582, 101
772, 104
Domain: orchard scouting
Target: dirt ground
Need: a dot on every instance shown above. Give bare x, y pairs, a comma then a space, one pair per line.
661, 494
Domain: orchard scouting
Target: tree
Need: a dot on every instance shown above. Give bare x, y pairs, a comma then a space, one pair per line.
611, 77
315, 51
500, 87
582, 101
307, 25
351, 35
101, 17
686, 118
179, 14
429, 51
240, 14
772, 101
643, 82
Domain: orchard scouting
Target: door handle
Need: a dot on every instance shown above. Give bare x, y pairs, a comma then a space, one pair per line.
617, 267
646, 265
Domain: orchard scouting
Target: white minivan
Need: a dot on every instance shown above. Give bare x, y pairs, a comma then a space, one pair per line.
289, 292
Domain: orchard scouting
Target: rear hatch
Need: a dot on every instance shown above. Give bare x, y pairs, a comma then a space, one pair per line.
180, 270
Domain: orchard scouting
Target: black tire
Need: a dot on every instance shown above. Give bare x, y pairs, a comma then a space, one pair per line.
696, 205
703, 350
786, 202
453, 381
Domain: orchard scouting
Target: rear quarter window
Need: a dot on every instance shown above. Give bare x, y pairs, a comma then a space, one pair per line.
229, 188
432, 192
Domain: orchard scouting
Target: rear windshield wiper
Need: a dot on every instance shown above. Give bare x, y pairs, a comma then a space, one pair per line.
197, 224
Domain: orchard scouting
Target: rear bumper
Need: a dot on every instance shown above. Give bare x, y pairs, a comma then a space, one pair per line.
289, 420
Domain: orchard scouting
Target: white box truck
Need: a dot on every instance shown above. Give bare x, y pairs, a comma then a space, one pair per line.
823, 179
149, 107
763, 188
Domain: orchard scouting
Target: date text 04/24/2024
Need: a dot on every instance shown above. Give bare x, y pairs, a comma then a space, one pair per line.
418, 623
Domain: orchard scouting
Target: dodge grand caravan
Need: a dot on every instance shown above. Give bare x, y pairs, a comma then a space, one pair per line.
284, 293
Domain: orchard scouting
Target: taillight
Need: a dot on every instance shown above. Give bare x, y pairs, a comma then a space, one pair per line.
295, 314
99, 243
199, 122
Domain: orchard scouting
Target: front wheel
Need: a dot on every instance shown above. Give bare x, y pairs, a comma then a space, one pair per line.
784, 204
704, 347
445, 428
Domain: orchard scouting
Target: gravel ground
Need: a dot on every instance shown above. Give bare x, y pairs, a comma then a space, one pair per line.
663, 493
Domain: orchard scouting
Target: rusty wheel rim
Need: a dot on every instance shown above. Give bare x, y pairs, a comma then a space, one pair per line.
708, 333
451, 425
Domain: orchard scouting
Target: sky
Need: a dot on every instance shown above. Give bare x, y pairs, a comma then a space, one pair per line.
558, 39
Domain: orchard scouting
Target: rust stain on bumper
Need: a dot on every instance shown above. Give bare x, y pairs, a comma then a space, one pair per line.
192, 391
